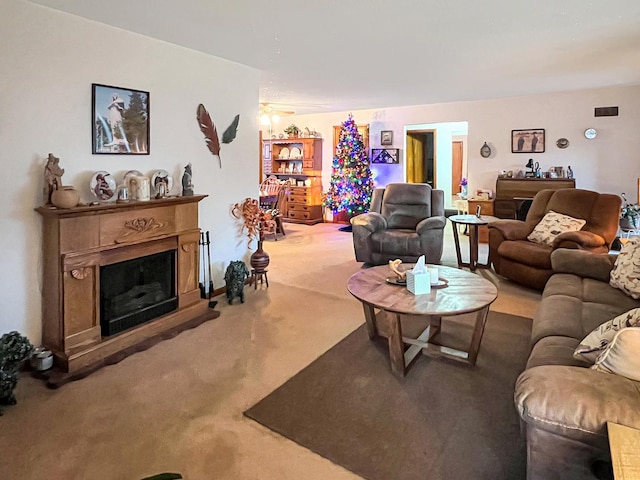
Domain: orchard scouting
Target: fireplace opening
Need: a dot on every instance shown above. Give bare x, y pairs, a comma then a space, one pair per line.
137, 291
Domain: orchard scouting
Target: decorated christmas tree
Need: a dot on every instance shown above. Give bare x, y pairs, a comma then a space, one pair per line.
351, 183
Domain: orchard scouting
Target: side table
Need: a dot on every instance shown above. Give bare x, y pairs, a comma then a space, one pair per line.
474, 223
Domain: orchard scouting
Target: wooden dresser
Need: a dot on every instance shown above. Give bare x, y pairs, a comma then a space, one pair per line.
511, 193
304, 204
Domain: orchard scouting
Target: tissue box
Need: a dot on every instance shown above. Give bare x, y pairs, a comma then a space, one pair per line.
418, 283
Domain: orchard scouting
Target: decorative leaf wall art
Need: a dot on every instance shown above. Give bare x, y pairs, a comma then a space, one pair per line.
210, 132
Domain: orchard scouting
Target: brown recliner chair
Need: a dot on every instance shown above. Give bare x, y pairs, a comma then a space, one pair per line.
529, 263
406, 220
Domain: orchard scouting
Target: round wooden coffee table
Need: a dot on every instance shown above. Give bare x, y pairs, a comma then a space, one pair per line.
465, 293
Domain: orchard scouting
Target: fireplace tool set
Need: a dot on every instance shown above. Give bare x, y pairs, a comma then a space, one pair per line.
206, 287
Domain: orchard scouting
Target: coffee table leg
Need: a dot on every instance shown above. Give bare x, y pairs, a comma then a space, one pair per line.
370, 317
396, 346
436, 323
474, 348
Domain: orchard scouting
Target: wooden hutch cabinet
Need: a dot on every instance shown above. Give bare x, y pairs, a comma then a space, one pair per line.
300, 161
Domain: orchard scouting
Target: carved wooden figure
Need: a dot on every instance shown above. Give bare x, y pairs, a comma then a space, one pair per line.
52, 176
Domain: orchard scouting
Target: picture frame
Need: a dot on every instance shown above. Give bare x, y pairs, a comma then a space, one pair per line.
528, 141
120, 120
386, 137
267, 151
385, 155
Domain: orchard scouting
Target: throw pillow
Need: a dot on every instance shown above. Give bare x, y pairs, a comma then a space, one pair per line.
621, 356
552, 225
625, 274
597, 341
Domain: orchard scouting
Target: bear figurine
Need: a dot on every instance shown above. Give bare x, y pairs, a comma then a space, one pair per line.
235, 276
14, 349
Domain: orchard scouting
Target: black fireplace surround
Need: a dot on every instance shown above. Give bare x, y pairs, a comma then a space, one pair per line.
137, 291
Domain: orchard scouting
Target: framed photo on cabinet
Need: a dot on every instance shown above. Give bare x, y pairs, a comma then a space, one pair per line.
527, 141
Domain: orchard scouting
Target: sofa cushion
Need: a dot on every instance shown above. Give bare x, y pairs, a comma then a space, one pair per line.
400, 242
598, 339
404, 207
527, 253
582, 303
555, 350
558, 315
552, 225
625, 274
621, 355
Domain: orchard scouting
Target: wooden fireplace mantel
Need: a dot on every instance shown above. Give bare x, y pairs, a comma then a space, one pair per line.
78, 241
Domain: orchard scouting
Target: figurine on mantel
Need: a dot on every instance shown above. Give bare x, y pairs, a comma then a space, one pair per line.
55, 193
52, 176
187, 186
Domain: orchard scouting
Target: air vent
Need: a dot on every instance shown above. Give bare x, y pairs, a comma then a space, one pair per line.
606, 111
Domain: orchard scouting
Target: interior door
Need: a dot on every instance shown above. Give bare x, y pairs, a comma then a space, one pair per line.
420, 156
456, 167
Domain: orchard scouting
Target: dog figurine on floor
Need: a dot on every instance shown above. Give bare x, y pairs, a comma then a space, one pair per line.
235, 275
14, 349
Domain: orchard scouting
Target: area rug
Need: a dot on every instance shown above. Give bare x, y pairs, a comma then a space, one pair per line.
444, 420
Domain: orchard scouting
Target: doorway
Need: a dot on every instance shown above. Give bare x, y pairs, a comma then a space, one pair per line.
456, 165
440, 137
421, 157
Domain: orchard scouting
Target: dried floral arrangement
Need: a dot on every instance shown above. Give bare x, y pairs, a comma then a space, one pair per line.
256, 220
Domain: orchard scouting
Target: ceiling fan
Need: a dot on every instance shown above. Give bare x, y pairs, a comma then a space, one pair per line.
272, 109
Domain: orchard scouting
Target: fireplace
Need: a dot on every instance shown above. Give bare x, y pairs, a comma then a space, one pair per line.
136, 291
117, 278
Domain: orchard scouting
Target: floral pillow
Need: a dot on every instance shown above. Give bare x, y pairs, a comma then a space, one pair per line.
625, 274
621, 356
552, 225
599, 339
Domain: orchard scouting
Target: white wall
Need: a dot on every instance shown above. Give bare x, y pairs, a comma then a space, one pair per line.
48, 61
609, 163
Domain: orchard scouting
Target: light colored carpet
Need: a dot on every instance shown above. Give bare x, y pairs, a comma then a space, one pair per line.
178, 406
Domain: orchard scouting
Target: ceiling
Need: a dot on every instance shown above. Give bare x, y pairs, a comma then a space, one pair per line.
338, 55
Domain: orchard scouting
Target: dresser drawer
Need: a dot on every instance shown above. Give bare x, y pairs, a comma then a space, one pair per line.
297, 207
304, 212
301, 199
304, 191
298, 214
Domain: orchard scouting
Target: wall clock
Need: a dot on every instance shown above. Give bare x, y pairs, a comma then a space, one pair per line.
562, 143
485, 150
590, 133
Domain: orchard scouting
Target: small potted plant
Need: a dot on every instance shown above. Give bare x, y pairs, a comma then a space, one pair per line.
464, 185
292, 131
